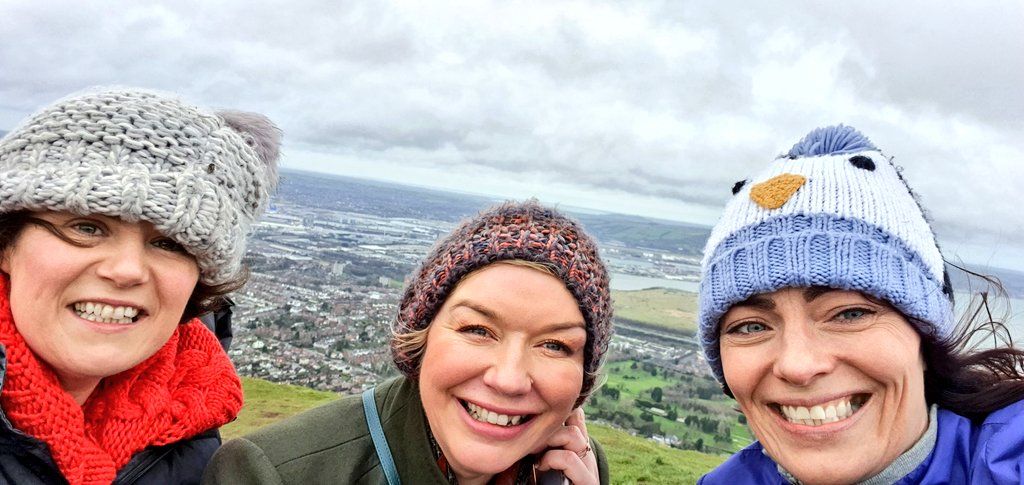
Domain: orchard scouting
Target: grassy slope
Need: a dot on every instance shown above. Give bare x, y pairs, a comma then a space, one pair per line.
674, 310
266, 402
631, 459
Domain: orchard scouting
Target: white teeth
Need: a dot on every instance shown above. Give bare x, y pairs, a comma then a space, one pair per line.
99, 312
480, 414
822, 413
830, 413
817, 413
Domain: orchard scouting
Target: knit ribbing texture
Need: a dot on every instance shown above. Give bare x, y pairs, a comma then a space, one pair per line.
187, 387
201, 178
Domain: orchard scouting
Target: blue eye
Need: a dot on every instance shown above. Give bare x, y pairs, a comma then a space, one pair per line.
853, 314
749, 328
556, 346
474, 330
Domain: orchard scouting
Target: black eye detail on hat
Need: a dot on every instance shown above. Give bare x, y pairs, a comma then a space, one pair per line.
738, 186
860, 161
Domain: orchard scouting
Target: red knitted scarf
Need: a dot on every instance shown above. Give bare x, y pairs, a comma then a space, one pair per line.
187, 387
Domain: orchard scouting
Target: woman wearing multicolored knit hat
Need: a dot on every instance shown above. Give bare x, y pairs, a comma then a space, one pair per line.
827, 313
123, 216
499, 338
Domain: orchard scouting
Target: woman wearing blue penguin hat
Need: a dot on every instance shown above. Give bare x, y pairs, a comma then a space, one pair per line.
827, 313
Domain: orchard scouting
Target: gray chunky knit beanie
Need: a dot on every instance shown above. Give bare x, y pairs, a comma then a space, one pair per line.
200, 177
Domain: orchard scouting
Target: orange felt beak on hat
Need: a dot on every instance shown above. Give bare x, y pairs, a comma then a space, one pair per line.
776, 191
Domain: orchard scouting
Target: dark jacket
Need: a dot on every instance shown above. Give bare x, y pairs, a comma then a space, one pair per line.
988, 453
332, 444
25, 460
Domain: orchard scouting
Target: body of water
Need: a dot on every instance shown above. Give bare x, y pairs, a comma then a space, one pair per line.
628, 282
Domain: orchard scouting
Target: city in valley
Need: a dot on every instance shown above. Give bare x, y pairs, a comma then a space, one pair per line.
328, 263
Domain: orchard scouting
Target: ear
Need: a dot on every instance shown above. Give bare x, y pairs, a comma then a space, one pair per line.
5, 265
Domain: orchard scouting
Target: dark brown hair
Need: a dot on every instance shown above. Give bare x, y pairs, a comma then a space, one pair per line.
205, 298
977, 370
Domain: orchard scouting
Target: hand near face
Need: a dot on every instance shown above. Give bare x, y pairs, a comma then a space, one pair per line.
569, 451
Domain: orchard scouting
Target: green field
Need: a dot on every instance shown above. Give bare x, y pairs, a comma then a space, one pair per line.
631, 459
674, 310
626, 399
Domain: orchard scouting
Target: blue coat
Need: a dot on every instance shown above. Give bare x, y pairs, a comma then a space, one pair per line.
988, 453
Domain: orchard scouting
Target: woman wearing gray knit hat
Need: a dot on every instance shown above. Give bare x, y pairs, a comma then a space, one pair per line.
499, 337
123, 216
827, 313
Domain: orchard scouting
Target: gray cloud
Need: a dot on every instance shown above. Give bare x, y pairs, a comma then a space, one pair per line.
669, 100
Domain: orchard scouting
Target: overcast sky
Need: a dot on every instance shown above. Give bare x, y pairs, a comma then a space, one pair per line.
651, 108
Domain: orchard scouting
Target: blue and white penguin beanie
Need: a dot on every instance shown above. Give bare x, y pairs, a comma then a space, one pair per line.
835, 212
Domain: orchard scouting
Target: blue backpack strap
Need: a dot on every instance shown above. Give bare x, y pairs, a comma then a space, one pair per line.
380, 443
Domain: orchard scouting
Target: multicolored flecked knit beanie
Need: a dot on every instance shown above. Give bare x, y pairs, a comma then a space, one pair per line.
835, 212
526, 231
200, 177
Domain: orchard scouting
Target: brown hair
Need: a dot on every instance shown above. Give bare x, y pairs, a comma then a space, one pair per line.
964, 376
205, 298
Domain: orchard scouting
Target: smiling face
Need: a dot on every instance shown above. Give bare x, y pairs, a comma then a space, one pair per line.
831, 382
502, 368
99, 307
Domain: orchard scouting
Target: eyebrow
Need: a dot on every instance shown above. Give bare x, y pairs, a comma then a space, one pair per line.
476, 307
757, 301
763, 303
814, 292
491, 315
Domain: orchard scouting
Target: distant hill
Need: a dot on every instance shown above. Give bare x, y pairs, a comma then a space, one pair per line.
387, 199
1012, 281
631, 459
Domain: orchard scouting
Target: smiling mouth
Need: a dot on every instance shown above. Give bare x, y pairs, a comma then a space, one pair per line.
485, 416
822, 414
103, 313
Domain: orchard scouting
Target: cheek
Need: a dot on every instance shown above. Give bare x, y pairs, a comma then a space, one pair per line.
559, 383
743, 368
177, 284
445, 364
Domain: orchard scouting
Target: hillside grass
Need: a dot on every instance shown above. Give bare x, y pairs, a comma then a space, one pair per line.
670, 309
637, 460
266, 402
631, 460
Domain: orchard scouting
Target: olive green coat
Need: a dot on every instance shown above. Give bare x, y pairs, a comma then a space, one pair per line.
331, 444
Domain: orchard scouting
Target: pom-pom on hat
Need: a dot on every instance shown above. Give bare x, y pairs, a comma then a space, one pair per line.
835, 212
513, 230
200, 177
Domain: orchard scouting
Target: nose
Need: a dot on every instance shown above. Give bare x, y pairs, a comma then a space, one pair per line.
802, 359
124, 264
509, 373
776, 191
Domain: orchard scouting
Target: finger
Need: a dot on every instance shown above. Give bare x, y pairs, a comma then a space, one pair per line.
568, 437
578, 419
575, 468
